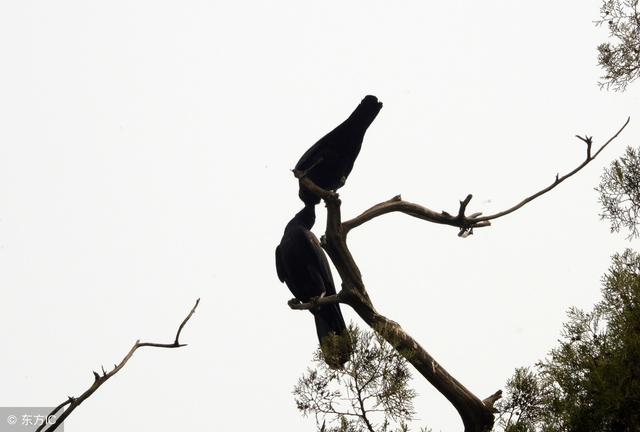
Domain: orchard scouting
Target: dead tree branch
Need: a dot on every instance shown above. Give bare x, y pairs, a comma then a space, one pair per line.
316, 302
460, 220
491, 400
101, 378
476, 414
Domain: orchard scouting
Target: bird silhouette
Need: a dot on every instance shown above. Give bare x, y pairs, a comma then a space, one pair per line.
330, 160
303, 266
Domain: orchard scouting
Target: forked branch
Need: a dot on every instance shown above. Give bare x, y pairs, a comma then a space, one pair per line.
476, 414
588, 141
100, 378
476, 220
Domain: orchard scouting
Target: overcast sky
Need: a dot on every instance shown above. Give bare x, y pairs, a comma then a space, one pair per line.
145, 149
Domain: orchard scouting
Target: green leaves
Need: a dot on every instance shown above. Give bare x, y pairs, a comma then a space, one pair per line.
371, 393
591, 380
620, 58
619, 193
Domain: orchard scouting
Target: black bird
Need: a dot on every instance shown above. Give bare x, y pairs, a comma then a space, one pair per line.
329, 161
303, 266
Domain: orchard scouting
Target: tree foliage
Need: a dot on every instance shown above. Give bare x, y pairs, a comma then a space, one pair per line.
619, 191
591, 380
371, 393
620, 58
523, 404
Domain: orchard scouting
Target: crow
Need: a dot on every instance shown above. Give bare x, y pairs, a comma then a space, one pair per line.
303, 266
329, 161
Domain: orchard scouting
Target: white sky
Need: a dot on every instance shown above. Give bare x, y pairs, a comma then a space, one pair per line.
144, 157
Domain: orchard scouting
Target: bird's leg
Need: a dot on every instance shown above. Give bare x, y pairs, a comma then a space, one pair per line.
294, 302
316, 299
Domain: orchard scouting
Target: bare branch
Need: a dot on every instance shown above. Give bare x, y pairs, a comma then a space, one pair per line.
476, 220
475, 415
101, 379
176, 342
491, 400
558, 180
397, 204
316, 302
309, 184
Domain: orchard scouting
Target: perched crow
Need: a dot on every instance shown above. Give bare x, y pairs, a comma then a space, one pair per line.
329, 161
303, 266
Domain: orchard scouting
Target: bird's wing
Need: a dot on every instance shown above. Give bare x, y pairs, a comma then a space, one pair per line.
282, 274
311, 156
321, 263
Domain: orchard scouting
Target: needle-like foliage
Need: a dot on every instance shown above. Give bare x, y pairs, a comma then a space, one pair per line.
620, 57
591, 380
619, 191
371, 393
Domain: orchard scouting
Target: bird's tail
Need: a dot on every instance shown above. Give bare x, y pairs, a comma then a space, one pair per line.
334, 338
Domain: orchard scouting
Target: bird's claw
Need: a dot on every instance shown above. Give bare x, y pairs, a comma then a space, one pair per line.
293, 302
314, 300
